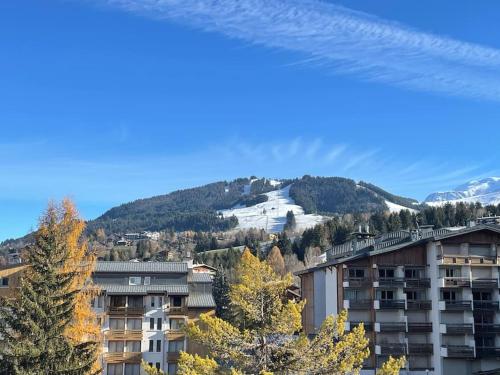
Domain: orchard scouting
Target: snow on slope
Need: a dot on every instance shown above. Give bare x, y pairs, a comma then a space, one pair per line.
485, 191
271, 215
393, 207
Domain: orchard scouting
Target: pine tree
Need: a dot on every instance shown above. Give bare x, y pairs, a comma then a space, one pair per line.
221, 295
42, 331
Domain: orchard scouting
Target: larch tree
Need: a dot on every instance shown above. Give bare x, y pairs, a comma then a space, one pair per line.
392, 366
49, 328
266, 339
276, 261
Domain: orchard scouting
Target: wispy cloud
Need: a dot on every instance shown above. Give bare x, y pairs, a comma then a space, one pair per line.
342, 40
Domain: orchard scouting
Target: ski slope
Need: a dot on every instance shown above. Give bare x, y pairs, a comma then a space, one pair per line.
393, 207
271, 215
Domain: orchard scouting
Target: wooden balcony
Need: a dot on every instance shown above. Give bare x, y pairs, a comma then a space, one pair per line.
360, 304
459, 329
123, 357
394, 282
419, 305
420, 349
174, 334
173, 356
176, 310
457, 351
123, 310
419, 327
123, 335
357, 282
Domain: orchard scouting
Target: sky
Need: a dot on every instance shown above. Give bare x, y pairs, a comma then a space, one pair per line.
108, 101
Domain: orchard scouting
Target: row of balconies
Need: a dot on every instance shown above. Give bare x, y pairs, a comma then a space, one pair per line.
393, 304
134, 357
466, 282
402, 282
474, 260
404, 349
127, 310
393, 327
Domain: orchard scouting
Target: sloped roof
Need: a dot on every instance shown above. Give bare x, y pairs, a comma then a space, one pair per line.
143, 289
197, 299
201, 277
141, 267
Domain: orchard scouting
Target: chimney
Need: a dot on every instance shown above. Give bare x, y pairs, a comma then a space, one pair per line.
367, 228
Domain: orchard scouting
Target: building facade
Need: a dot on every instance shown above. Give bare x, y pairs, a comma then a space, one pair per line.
143, 307
432, 296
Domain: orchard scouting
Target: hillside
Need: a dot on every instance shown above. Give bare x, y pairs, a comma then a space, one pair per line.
485, 191
247, 202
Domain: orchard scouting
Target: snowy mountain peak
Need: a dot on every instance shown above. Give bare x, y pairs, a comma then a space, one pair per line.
486, 191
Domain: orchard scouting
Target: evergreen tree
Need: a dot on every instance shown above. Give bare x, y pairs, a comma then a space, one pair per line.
45, 329
291, 223
221, 295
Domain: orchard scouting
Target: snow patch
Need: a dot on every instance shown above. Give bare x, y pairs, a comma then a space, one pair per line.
271, 215
393, 207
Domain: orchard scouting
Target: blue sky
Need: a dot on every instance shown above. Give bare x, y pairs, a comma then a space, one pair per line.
110, 101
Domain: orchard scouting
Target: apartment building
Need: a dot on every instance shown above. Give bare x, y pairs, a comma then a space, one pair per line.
431, 295
142, 308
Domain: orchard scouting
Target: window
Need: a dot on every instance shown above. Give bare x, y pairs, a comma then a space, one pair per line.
153, 298
158, 346
160, 301
452, 272
134, 324
151, 323
411, 295
115, 369
147, 280
116, 324
118, 301
133, 346
485, 341
158, 324
449, 295
135, 301
176, 324
115, 346
412, 273
386, 272
386, 295
175, 346
151, 346
157, 365
132, 369
5, 281
172, 368
99, 302
356, 273
481, 296
176, 301
352, 294
134, 280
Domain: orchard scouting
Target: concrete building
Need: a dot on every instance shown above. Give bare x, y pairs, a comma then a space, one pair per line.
431, 295
142, 308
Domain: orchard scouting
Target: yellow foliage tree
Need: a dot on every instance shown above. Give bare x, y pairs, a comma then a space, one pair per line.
266, 340
392, 366
276, 261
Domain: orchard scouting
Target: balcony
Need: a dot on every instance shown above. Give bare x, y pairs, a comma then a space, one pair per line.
368, 326
358, 304
486, 260
486, 305
474, 260
453, 259
459, 282
488, 352
389, 282
418, 305
457, 329
125, 310
120, 357
121, 334
391, 304
485, 283
419, 327
457, 305
418, 283
457, 351
173, 356
390, 349
176, 310
420, 349
390, 327
357, 282
487, 328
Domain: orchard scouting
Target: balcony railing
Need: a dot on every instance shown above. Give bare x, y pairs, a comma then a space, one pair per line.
179, 310
485, 283
118, 357
392, 349
486, 260
467, 259
458, 305
125, 310
391, 281
487, 328
419, 305
124, 334
358, 281
173, 356
419, 327
459, 351
486, 305
487, 351
459, 329
368, 325
463, 282
420, 349
392, 304
392, 327
418, 283
360, 304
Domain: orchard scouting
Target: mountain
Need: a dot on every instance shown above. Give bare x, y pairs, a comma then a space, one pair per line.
486, 191
249, 202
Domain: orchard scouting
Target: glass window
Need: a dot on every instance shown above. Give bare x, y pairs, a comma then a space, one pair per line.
115, 346
158, 324
5, 281
412, 273
134, 346
132, 369
134, 324
386, 272
135, 301
115, 369
134, 280
158, 346
177, 301
356, 273
172, 368
386, 294
151, 323
157, 365
449, 295
175, 346
118, 301
151, 346
116, 324
176, 324
152, 298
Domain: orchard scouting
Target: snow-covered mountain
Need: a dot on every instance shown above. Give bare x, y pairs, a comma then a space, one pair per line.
486, 191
